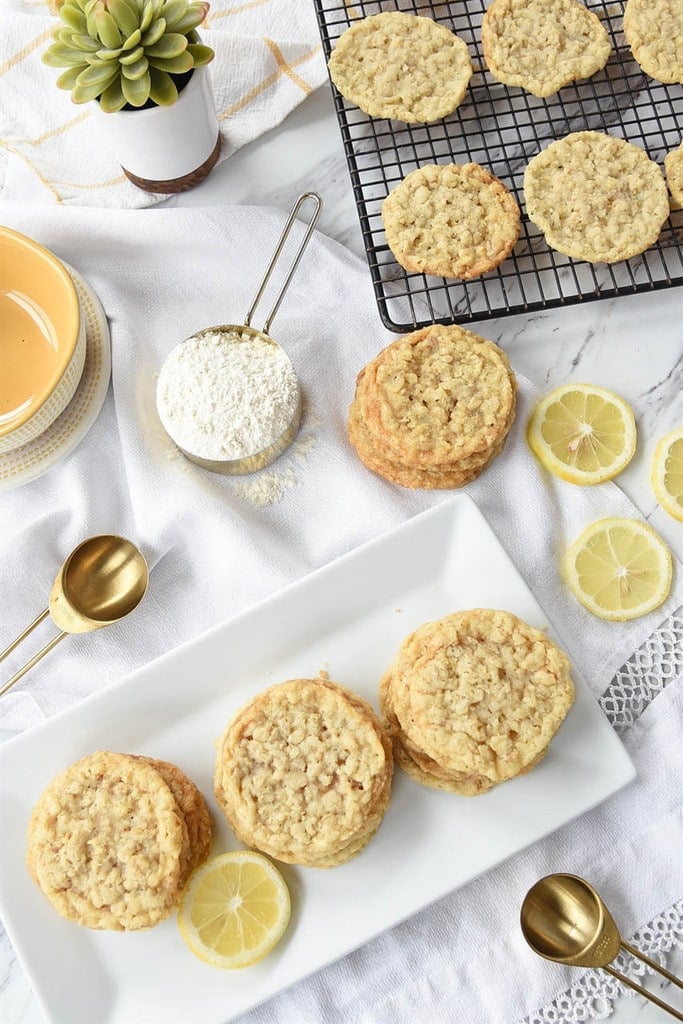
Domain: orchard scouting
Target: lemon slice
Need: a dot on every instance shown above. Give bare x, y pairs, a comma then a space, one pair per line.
666, 474
619, 569
234, 910
582, 433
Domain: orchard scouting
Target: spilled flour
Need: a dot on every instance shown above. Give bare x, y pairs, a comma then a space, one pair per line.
269, 486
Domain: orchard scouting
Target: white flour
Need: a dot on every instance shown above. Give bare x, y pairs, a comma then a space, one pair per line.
226, 395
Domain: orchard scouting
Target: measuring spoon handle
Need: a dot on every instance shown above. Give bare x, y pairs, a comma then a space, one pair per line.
34, 660
22, 636
317, 207
651, 963
644, 992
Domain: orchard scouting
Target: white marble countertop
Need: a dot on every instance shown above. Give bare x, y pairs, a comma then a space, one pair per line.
632, 345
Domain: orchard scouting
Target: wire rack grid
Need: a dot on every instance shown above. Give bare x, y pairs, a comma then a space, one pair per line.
502, 129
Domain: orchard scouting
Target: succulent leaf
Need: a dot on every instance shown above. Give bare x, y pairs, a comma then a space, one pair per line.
163, 89
136, 70
201, 54
154, 33
173, 65
67, 79
61, 56
131, 58
112, 99
73, 17
147, 16
85, 93
103, 76
190, 20
107, 29
133, 41
127, 19
172, 45
82, 42
136, 91
173, 11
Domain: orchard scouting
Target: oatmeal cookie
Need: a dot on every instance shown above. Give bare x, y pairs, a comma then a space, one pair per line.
673, 164
397, 473
481, 692
439, 396
451, 220
541, 45
106, 841
654, 31
401, 66
415, 763
596, 197
194, 811
302, 770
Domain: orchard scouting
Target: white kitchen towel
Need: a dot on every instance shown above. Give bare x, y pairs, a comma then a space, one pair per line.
268, 59
217, 545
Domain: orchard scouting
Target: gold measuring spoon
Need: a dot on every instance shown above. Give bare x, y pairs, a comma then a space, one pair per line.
564, 919
102, 580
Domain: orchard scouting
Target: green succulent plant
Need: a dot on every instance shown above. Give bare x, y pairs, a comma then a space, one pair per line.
127, 51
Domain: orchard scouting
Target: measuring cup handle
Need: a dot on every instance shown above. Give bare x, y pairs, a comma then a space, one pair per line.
318, 205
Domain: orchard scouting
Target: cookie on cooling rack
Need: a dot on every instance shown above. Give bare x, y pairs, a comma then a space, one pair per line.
401, 66
673, 164
596, 197
451, 220
654, 31
541, 45
474, 699
304, 773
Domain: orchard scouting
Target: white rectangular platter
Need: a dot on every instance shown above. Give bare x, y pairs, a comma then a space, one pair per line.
348, 619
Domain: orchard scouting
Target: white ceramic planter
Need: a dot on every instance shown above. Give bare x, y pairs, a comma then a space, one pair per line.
166, 149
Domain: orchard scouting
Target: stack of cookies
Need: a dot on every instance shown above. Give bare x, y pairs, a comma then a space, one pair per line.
304, 772
474, 699
433, 408
114, 838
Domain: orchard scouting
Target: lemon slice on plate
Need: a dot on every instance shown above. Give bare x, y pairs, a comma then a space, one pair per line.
619, 569
234, 910
582, 433
666, 474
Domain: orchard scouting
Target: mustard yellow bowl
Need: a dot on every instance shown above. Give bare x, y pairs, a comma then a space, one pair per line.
42, 339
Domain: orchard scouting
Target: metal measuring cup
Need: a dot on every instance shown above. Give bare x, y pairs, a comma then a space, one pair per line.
261, 459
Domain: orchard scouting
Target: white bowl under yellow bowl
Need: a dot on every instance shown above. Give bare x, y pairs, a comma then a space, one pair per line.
42, 339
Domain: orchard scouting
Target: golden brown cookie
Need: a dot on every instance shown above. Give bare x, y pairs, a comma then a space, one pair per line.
439, 396
301, 770
481, 692
596, 197
415, 763
106, 843
541, 45
192, 806
451, 220
401, 66
654, 31
673, 164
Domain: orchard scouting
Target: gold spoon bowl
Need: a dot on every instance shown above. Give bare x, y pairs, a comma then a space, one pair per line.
101, 582
564, 919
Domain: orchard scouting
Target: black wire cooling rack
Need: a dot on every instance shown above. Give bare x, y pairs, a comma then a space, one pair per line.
502, 128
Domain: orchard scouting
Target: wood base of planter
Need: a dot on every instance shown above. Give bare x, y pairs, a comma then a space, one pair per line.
173, 185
